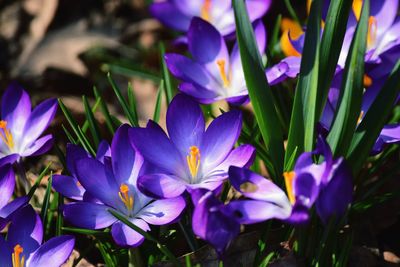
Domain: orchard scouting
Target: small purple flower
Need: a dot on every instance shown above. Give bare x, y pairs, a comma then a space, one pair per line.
214, 74
191, 157
111, 184
24, 247
178, 14
327, 185
7, 185
21, 128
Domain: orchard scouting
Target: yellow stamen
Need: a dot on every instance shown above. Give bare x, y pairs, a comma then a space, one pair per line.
289, 178
16, 257
372, 28
292, 26
221, 66
6, 135
78, 183
125, 197
205, 10
367, 81
287, 46
308, 6
193, 160
360, 117
357, 5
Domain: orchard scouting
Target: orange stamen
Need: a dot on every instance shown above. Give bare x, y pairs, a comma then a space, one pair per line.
367, 81
289, 178
205, 10
5, 135
125, 197
193, 160
357, 5
360, 117
221, 67
16, 257
372, 31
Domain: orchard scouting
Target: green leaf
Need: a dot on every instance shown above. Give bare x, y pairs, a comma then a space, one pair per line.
132, 102
86, 123
130, 71
304, 117
93, 126
157, 108
166, 75
259, 91
368, 130
104, 110
60, 220
351, 91
46, 200
85, 231
128, 113
38, 180
331, 45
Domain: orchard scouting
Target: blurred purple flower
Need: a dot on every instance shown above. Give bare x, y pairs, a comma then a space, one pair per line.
191, 157
214, 74
21, 128
24, 247
178, 14
7, 185
111, 184
328, 185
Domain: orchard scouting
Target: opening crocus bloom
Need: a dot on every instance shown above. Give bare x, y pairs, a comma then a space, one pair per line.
177, 14
190, 157
213, 74
21, 128
114, 187
24, 247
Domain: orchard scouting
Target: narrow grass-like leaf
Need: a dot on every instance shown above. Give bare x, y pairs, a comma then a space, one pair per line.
331, 45
104, 110
85, 231
130, 71
46, 200
303, 119
149, 237
128, 113
106, 256
166, 75
68, 134
60, 220
351, 91
368, 130
157, 108
132, 103
259, 91
75, 127
38, 180
291, 10
86, 125
93, 126
275, 35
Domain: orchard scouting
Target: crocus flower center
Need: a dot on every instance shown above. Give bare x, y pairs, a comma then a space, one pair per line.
372, 28
205, 10
6, 135
17, 260
222, 73
289, 177
125, 197
357, 5
193, 160
367, 80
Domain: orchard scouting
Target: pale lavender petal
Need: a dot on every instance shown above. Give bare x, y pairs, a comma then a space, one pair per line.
201, 94
241, 156
257, 8
161, 185
219, 139
390, 134
125, 236
103, 150
88, 215
189, 7
39, 147
162, 211
170, 15
7, 184
68, 186
385, 12
185, 123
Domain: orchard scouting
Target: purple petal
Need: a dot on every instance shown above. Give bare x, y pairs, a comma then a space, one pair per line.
54, 252
103, 150
253, 185
185, 123
390, 134
88, 215
9, 159
190, 71
161, 185
305, 189
126, 161
75, 153
257, 8
162, 211
8, 211
255, 211
7, 184
5, 253
238, 100
201, 94
242, 156
38, 121
219, 139
15, 109
99, 181
385, 13
125, 236
26, 230
154, 145
39, 147
68, 186
170, 15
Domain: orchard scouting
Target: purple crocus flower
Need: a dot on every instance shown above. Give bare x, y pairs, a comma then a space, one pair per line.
21, 128
213, 74
7, 185
191, 157
111, 184
327, 185
24, 247
178, 14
